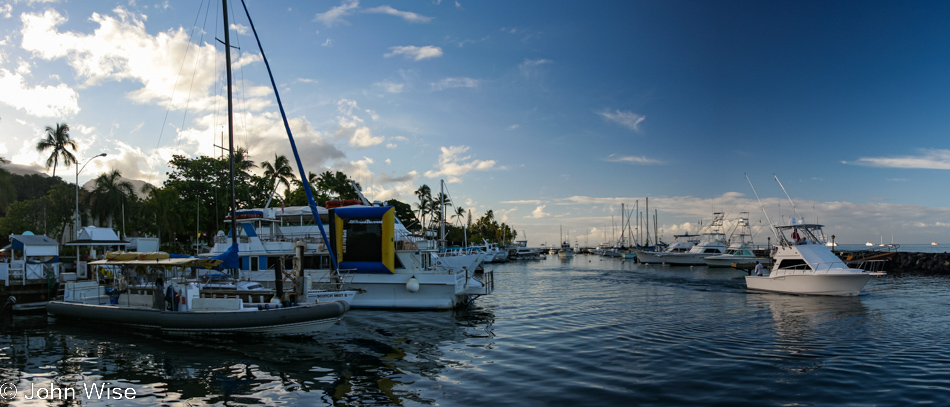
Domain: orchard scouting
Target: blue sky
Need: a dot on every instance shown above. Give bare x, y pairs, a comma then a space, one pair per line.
550, 113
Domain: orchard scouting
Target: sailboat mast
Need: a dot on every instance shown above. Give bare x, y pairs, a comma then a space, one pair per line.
442, 211
227, 64
646, 219
622, 227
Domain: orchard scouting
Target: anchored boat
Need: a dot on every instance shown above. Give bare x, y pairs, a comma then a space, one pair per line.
133, 294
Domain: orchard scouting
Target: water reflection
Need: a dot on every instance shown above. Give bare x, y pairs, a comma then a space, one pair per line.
372, 357
810, 329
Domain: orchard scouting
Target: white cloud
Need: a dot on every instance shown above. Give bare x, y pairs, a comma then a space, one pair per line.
335, 15
523, 202
452, 164
539, 213
415, 53
529, 68
350, 125
627, 119
40, 101
405, 15
933, 159
363, 138
632, 159
121, 49
450, 83
390, 87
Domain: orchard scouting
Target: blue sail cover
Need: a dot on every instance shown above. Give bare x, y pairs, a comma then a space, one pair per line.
229, 259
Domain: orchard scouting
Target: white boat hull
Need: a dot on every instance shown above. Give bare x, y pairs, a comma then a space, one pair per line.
840, 284
673, 259
725, 260
436, 291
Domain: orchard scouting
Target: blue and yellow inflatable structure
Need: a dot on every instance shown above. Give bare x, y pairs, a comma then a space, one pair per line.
362, 238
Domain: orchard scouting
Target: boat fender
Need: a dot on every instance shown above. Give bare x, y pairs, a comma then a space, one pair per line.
412, 285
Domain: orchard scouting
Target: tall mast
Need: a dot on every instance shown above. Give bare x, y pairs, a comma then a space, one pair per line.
647, 220
622, 226
227, 65
442, 210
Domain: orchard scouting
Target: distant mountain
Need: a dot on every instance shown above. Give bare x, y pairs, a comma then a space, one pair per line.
69, 177
136, 185
23, 169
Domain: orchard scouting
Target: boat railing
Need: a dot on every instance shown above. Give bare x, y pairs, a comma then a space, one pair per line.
871, 265
331, 280
817, 268
404, 241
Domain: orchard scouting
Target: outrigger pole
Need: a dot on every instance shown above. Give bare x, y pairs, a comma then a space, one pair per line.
774, 232
789, 198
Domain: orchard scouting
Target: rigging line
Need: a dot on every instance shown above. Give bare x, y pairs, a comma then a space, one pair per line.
180, 68
194, 73
217, 80
293, 145
772, 227
243, 93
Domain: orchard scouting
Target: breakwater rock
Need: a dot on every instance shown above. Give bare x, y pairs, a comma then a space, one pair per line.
904, 262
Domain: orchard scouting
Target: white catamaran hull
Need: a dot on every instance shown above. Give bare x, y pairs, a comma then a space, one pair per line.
844, 284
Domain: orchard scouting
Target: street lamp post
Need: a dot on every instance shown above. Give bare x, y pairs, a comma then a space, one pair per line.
78, 170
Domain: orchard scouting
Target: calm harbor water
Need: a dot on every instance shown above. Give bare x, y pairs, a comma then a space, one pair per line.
586, 331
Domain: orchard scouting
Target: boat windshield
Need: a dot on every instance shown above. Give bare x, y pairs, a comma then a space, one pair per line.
800, 234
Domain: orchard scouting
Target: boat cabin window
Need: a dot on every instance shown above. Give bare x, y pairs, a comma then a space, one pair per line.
796, 264
315, 262
272, 262
712, 251
255, 263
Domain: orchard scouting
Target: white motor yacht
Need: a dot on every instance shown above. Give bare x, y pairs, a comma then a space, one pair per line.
804, 265
712, 242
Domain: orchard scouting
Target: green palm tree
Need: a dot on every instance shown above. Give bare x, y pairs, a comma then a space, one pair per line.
436, 204
59, 141
459, 215
336, 183
164, 204
110, 194
424, 193
242, 161
280, 170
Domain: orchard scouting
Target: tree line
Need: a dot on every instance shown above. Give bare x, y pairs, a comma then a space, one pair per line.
190, 206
